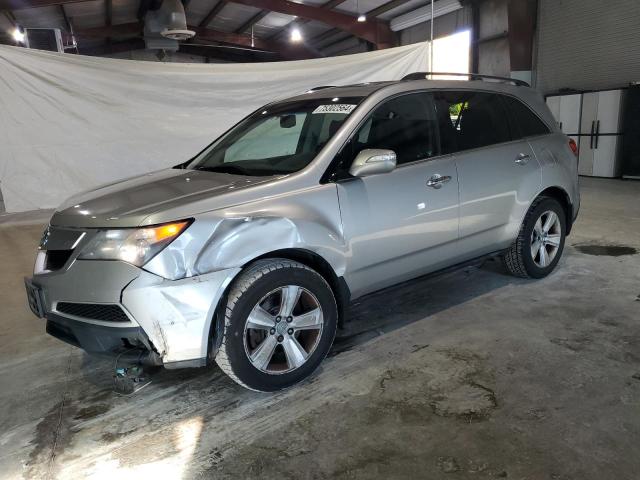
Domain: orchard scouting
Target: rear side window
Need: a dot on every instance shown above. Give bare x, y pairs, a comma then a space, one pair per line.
528, 123
470, 120
405, 124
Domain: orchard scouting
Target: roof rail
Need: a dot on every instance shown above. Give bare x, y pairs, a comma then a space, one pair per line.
471, 76
321, 87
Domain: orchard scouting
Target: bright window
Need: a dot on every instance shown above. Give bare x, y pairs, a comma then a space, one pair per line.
452, 53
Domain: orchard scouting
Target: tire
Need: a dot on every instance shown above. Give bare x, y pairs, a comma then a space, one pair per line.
258, 316
525, 258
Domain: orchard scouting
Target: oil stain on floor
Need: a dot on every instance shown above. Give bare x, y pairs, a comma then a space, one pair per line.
606, 250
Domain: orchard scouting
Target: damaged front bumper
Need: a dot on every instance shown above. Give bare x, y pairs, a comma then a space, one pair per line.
107, 307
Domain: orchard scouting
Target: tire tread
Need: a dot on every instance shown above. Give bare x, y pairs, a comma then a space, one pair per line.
513, 258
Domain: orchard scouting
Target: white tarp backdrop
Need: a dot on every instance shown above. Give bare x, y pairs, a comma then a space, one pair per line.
69, 122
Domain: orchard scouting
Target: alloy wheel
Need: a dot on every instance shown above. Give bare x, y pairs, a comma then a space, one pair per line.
545, 239
283, 329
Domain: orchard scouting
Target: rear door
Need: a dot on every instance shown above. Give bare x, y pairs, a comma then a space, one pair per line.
527, 125
497, 171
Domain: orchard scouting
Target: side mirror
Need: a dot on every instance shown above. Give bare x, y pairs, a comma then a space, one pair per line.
373, 162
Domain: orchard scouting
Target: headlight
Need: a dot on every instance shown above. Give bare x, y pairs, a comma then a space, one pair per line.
132, 245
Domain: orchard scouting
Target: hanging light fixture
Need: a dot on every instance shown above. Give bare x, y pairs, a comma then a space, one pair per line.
18, 35
361, 16
296, 36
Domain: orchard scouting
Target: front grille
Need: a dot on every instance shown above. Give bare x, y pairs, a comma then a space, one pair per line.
93, 311
56, 259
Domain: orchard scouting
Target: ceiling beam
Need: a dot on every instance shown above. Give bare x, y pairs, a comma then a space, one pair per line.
286, 51
22, 4
374, 31
217, 8
12, 20
211, 35
385, 7
298, 21
204, 35
303, 21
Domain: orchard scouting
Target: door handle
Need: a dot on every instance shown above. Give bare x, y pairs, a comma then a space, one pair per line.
597, 133
522, 159
437, 180
593, 128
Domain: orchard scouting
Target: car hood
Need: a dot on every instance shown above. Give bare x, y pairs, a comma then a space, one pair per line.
129, 202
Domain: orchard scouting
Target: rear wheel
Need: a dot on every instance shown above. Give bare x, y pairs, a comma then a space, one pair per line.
279, 324
540, 243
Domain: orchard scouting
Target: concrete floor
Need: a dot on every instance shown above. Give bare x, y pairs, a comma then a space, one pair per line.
473, 374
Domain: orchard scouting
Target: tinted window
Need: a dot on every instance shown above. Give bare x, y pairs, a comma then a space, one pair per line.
404, 124
528, 122
470, 120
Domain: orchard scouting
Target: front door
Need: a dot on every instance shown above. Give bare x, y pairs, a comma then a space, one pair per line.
401, 224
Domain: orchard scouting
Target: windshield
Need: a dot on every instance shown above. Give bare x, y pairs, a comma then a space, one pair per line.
279, 139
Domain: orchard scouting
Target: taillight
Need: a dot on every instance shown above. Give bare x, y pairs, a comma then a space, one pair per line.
573, 146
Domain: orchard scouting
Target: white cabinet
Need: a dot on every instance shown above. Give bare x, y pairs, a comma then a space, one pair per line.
594, 120
566, 110
601, 133
605, 158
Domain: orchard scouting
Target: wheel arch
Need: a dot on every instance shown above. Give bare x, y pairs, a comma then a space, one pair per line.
318, 263
309, 258
561, 195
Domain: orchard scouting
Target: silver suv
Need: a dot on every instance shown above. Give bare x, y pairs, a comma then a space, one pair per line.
248, 253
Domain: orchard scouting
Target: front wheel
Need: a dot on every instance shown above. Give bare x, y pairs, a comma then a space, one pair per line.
540, 243
280, 322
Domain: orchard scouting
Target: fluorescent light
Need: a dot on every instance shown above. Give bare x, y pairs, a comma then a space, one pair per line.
423, 14
362, 18
18, 35
296, 36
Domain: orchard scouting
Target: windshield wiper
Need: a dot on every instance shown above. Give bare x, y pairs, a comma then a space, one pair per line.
232, 169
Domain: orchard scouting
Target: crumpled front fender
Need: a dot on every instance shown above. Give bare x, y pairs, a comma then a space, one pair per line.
308, 220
